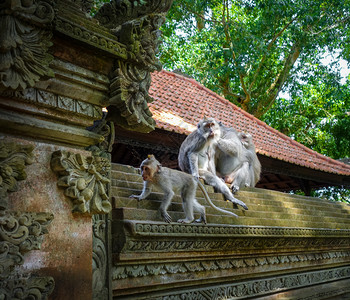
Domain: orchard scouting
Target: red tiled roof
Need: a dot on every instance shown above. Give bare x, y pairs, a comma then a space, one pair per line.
180, 103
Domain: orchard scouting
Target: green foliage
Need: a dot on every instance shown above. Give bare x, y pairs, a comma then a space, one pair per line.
317, 114
247, 50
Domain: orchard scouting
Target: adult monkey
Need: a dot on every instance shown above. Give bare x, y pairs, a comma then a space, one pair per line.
236, 160
169, 180
197, 156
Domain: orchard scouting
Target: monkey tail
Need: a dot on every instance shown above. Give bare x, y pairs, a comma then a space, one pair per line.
206, 196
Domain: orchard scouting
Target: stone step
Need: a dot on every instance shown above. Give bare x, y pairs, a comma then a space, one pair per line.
248, 195
127, 213
253, 204
255, 212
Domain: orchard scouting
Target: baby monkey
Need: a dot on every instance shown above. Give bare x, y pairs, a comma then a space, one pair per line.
169, 180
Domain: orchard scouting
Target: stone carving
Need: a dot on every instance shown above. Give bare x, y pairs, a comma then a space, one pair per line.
259, 287
140, 228
34, 288
100, 264
129, 98
57, 102
13, 159
85, 180
117, 12
20, 233
178, 237
25, 35
141, 270
93, 38
136, 25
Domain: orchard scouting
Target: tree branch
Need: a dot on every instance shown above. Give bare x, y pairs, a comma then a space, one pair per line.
281, 78
225, 21
269, 46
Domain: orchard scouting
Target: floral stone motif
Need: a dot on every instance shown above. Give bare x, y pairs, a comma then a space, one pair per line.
13, 159
85, 180
25, 36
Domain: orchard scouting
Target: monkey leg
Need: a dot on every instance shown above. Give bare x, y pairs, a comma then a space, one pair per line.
168, 196
221, 187
188, 199
201, 209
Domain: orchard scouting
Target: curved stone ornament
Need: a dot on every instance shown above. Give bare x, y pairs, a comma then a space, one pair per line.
20, 232
129, 98
25, 39
35, 288
13, 159
85, 180
136, 25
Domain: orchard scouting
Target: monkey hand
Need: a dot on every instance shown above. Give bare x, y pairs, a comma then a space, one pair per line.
196, 176
138, 197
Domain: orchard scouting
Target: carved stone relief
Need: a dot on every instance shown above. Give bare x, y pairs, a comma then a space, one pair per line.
258, 287
13, 159
136, 25
155, 269
100, 257
20, 232
85, 181
25, 34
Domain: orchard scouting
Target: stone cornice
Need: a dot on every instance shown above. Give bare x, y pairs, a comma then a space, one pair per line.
140, 228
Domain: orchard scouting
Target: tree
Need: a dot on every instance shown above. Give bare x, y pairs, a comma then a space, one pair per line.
248, 50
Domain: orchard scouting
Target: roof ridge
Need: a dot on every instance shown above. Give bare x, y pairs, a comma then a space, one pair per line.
262, 123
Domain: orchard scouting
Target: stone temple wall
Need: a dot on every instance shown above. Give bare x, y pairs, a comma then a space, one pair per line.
58, 68
283, 247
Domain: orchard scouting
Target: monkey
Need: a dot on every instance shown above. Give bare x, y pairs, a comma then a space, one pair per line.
197, 156
236, 160
167, 180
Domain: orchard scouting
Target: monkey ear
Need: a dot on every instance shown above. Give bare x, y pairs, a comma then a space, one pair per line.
159, 168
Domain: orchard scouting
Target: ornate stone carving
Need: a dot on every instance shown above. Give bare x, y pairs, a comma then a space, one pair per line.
13, 159
57, 102
100, 259
85, 180
35, 288
142, 270
136, 25
25, 36
129, 98
20, 233
211, 237
258, 287
117, 12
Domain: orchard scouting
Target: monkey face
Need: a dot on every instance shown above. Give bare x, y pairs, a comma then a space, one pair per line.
146, 173
149, 167
211, 128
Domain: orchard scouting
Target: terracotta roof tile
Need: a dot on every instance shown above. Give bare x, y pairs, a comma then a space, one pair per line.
180, 103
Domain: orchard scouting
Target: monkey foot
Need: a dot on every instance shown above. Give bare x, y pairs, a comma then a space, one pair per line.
166, 217
202, 219
186, 221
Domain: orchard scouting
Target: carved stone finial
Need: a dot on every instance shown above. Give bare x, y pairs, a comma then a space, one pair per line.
24, 42
13, 159
85, 180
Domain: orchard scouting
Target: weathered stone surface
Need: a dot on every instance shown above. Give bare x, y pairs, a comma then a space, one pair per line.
85, 180
66, 252
25, 38
282, 242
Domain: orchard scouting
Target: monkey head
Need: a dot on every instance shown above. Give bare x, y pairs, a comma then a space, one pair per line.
209, 128
149, 167
246, 139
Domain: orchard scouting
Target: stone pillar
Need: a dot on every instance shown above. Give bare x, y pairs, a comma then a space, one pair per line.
58, 68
